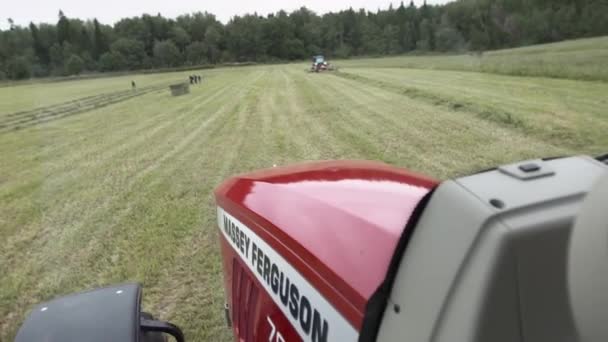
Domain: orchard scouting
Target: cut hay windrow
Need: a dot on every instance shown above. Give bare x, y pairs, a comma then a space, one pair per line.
24, 119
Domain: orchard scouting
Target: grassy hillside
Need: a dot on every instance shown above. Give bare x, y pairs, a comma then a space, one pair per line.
584, 59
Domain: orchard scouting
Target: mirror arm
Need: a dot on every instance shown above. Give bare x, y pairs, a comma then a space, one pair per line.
164, 327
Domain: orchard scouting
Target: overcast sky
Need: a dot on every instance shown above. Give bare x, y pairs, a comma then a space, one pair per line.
109, 11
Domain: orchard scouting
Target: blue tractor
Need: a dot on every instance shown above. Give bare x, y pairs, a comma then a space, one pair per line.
320, 64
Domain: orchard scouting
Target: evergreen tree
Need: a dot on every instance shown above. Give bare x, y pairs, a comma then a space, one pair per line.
63, 28
41, 51
100, 43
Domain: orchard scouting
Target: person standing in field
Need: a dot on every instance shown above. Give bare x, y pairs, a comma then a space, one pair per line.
133, 85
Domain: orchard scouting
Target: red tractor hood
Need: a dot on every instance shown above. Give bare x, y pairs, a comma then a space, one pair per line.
337, 223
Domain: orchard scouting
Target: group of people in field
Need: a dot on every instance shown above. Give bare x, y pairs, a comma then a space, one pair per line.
194, 79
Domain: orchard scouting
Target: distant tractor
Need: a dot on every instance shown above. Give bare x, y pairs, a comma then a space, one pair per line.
320, 64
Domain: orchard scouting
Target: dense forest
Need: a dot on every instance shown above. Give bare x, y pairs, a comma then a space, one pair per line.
72, 46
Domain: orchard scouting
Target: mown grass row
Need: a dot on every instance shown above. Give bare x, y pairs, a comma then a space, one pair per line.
583, 59
24, 119
562, 112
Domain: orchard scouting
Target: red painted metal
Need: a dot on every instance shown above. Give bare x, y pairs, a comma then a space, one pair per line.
250, 317
336, 222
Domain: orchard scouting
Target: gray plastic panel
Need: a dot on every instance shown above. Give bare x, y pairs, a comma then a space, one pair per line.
477, 271
588, 266
573, 176
100, 315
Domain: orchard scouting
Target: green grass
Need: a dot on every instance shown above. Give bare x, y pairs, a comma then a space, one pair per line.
566, 113
584, 59
123, 192
27, 96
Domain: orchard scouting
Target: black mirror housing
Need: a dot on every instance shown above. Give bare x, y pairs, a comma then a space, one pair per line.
105, 314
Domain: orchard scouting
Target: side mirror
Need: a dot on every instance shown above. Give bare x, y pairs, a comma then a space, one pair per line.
105, 314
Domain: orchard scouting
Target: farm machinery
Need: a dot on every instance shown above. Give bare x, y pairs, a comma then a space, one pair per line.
319, 64
354, 250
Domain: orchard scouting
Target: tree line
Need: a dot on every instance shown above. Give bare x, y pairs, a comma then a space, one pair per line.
72, 46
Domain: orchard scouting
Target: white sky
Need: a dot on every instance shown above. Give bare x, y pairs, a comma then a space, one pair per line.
110, 11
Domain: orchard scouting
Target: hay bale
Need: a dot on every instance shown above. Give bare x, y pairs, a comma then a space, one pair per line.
179, 89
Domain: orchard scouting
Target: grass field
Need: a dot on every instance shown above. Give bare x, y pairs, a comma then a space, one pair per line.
100, 186
585, 59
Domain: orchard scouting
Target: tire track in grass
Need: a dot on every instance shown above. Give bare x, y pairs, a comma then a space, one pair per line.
277, 131
248, 130
314, 117
267, 109
314, 139
304, 116
349, 129
272, 141
292, 137
280, 138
